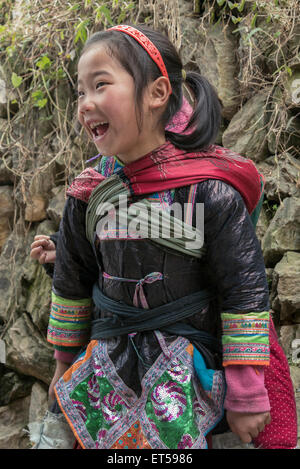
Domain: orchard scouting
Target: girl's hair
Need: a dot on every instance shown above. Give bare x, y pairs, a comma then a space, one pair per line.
206, 117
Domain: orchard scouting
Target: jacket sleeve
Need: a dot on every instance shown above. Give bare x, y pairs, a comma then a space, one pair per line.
76, 270
235, 258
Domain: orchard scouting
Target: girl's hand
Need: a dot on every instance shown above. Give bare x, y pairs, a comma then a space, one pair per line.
43, 249
61, 368
247, 426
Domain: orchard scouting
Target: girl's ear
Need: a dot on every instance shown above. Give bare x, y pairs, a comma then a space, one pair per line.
159, 92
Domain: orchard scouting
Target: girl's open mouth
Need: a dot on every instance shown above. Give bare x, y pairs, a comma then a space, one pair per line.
99, 129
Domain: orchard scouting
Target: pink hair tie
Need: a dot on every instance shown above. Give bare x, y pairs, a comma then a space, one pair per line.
145, 42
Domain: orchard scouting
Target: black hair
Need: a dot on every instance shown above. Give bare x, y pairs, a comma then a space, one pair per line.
206, 117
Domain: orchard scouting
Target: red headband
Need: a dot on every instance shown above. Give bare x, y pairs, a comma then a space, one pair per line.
149, 47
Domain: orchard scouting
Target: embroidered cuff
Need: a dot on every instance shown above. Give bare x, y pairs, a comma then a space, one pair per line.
245, 338
69, 323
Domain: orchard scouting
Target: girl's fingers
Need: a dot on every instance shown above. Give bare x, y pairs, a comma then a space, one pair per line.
255, 433
245, 437
35, 253
42, 258
40, 242
41, 237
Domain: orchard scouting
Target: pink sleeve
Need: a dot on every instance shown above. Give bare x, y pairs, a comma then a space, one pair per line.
246, 390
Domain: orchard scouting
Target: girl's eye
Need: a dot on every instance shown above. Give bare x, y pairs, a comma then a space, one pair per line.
100, 84
80, 94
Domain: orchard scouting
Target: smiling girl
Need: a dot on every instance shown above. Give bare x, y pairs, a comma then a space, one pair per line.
161, 328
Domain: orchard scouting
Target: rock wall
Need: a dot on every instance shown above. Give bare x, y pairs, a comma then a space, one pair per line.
255, 71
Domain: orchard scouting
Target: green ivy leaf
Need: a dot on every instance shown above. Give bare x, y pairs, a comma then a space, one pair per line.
232, 5
253, 21
38, 94
289, 71
253, 32
81, 31
235, 19
241, 6
43, 62
221, 2
105, 11
16, 80
41, 103
74, 7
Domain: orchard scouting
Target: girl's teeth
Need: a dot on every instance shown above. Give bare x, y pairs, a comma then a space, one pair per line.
100, 129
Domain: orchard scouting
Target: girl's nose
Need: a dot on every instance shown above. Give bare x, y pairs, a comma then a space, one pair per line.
85, 104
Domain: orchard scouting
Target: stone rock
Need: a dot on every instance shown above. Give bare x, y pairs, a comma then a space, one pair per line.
282, 176
3, 98
47, 227
14, 386
53, 432
6, 213
56, 205
18, 273
13, 256
262, 224
64, 97
39, 298
6, 176
246, 132
295, 376
13, 420
229, 440
286, 276
44, 179
261, 48
292, 87
40, 189
36, 208
6, 202
283, 233
213, 53
284, 125
28, 351
38, 402
7, 94
289, 334
38, 284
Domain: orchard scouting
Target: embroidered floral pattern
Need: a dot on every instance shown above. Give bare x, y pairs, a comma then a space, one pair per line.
113, 407
80, 407
93, 393
101, 436
104, 413
169, 401
186, 442
179, 373
98, 370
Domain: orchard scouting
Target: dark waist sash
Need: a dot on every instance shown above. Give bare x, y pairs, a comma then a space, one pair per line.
129, 319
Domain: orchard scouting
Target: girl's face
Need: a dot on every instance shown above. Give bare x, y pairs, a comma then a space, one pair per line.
106, 108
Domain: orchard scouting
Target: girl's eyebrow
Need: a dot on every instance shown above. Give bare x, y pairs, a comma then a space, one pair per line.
95, 74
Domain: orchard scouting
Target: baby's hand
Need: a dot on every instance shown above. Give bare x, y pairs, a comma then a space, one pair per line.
43, 249
247, 426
